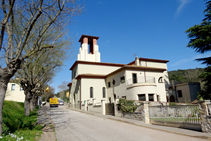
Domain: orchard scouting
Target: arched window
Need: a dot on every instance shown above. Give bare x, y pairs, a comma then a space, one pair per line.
104, 92
160, 80
91, 92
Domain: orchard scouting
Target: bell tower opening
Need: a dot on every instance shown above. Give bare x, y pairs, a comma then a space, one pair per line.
89, 50
90, 46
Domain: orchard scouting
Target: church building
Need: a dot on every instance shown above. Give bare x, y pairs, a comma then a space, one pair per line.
94, 81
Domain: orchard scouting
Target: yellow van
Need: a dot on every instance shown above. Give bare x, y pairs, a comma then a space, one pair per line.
54, 102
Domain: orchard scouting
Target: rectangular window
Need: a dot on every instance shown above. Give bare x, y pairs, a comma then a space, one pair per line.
124, 97
179, 93
151, 97
21, 89
142, 97
91, 92
109, 84
104, 92
134, 78
74, 73
122, 79
13, 87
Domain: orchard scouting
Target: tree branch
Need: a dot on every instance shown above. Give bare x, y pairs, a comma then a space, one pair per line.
20, 47
9, 27
32, 52
27, 31
5, 20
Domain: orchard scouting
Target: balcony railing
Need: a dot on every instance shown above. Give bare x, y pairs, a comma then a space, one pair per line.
147, 79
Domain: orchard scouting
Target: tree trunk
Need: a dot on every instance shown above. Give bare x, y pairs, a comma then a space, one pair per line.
5, 75
33, 103
36, 101
28, 97
3, 88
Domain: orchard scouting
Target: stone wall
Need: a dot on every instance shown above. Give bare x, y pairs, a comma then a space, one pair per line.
204, 116
141, 113
135, 116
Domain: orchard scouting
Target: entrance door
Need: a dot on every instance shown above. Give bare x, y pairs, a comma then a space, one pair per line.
172, 99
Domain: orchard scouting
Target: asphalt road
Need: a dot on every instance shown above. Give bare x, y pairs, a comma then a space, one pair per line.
76, 126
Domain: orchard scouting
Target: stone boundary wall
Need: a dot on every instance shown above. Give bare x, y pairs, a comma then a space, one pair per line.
205, 118
141, 113
135, 116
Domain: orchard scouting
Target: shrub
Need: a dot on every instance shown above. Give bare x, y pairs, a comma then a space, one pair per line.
127, 106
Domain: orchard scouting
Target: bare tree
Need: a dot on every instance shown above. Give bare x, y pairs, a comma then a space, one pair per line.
63, 86
26, 14
38, 70
52, 90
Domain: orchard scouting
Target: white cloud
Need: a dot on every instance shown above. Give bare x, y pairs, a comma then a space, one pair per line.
189, 60
182, 61
107, 41
202, 56
100, 2
181, 6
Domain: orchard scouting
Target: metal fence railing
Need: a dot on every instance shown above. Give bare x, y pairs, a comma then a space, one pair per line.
177, 113
147, 79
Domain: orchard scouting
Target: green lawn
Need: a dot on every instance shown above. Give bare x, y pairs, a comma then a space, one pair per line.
18, 127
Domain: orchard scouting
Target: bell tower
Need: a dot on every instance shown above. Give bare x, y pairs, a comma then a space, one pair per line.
89, 50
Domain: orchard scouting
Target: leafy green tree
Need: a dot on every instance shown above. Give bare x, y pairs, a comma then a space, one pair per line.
206, 92
200, 40
184, 76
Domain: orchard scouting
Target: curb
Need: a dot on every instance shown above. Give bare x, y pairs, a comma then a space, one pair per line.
49, 118
51, 123
201, 137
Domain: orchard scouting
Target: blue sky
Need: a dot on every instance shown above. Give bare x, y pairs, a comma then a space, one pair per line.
145, 28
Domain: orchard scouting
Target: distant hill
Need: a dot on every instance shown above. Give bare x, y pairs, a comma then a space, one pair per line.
189, 75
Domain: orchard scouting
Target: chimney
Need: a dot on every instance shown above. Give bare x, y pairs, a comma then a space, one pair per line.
137, 61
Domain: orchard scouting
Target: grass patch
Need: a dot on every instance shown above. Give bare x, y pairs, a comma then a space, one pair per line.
176, 119
16, 125
29, 135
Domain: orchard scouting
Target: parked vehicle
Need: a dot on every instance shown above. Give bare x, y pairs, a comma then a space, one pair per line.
54, 102
43, 103
61, 102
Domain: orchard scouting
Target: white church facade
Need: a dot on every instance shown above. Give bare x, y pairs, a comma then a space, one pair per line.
94, 81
